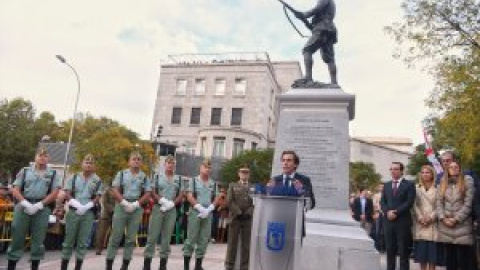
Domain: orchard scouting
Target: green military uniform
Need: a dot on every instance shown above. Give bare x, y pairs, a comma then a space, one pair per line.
78, 226
35, 186
240, 205
199, 229
105, 222
162, 222
133, 186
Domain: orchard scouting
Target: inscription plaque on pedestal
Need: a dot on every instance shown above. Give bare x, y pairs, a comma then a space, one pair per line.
320, 138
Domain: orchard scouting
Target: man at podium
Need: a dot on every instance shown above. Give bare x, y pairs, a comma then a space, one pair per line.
290, 182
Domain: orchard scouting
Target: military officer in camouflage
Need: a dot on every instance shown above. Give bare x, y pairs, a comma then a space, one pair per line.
35, 188
240, 204
131, 188
83, 191
167, 193
202, 193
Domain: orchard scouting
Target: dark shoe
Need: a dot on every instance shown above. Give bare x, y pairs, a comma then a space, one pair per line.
78, 264
98, 252
125, 265
64, 265
35, 264
198, 264
147, 262
109, 265
186, 263
163, 264
11, 264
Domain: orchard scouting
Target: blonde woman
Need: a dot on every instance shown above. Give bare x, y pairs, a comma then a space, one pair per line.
427, 252
454, 206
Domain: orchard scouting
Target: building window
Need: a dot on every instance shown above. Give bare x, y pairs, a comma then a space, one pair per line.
238, 145
181, 87
254, 145
199, 86
220, 85
216, 118
203, 146
195, 116
240, 86
176, 115
236, 119
218, 147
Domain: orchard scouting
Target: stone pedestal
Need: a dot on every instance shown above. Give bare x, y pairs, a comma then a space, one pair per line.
314, 123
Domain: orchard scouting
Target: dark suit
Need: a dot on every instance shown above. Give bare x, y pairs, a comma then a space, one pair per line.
289, 190
281, 190
398, 232
357, 209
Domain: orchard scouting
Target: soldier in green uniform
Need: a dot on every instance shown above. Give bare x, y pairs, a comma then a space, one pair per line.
131, 188
240, 205
34, 188
202, 193
105, 223
83, 191
166, 191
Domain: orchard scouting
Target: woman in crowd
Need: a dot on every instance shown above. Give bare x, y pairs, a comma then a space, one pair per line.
454, 206
427, 253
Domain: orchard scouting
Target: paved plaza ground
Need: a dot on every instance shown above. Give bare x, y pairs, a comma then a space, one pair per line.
213, 261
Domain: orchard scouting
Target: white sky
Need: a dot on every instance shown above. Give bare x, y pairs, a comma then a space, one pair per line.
117, 47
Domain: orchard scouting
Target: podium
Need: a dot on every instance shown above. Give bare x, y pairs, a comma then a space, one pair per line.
276, 232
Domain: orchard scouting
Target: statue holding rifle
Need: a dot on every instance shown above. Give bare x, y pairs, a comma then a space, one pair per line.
324, 36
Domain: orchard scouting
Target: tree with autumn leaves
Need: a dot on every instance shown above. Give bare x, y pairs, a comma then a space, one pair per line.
109, 141
443, 36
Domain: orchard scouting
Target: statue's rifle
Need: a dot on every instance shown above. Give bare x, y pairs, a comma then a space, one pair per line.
297, 14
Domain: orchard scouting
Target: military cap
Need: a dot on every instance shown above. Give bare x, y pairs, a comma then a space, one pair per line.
89, 158
170, 158
135, 154
42, 151
244, 168
207, 162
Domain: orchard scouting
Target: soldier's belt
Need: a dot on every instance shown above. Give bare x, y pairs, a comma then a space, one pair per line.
30, 200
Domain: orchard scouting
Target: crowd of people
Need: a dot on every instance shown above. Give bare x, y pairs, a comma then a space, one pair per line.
434, 220
120, 210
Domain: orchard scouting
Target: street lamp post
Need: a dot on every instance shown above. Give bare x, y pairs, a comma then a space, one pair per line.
62, 59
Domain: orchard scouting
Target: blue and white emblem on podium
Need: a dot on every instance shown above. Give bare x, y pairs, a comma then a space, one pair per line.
275, 236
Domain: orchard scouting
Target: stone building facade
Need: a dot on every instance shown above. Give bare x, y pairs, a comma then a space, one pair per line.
219, 105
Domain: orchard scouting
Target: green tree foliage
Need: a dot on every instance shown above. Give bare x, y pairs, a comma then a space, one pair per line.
109, 141
446, 33
434, 29
111, 148
417, 160
17, 136
363, 174
260, 162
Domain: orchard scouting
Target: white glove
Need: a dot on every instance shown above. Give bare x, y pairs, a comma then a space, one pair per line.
199, 208
162, 201
128, 207
38, 206
167, 205
89, 205
84, 208
210, 208
28, 207
74, 203
135, 205
81, 210
203, 214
